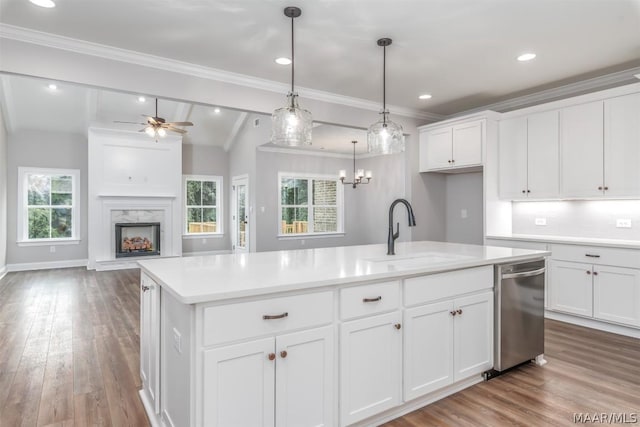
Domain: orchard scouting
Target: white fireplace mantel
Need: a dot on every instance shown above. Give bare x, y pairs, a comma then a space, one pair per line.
131, 172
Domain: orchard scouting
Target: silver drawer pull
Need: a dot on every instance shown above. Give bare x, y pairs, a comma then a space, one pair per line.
592, 255
276, 316
523, 274
379, 298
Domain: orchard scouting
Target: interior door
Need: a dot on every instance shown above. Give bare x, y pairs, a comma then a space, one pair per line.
240, 214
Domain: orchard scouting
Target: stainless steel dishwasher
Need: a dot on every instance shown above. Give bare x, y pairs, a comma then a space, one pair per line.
519, 314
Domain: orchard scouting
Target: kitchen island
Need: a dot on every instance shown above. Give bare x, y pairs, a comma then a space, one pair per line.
332, 336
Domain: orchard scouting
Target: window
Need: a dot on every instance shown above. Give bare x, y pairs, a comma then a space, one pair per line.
309, 205
48, 205
203, 205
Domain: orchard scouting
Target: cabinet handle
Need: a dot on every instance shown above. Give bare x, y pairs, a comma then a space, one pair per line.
283, 353
145, 288
397, 326
449, 161
595, 273
528, 191
606, 188
599, 188
459, 311
592, 255
453, 312
588, 271
277, 316
453, 161
376, 299
271, 356
523, 191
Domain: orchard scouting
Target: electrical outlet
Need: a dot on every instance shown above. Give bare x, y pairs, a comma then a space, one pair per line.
623, 223
302, 242
541, 221
463, 213
256, 123
177, 341
204, 241
52, 249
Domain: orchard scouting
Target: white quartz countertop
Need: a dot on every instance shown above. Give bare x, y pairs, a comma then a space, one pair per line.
218, 277
613, 243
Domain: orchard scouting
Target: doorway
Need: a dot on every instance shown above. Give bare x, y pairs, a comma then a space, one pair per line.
240, 214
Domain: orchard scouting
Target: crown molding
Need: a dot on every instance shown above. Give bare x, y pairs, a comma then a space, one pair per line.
568, 90
55, 41
304, 152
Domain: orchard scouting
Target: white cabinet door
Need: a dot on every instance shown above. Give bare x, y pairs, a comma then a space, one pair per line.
150, 340
616, 294
428, 348
622, 146
473, 335
239, 385
436, 145
571, 288
467, 144
543, 151
582, 145
370, 366
305, 378
512, 153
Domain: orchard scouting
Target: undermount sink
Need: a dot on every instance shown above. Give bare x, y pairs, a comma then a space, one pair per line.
417, 260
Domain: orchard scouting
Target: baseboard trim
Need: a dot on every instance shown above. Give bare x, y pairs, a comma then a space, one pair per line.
27, 266
3, 271
154, 418
593, 324
200, 253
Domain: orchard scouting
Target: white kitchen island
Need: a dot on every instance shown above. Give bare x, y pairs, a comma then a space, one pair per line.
316, 337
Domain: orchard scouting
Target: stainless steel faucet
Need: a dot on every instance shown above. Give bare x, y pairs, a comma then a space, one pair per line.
391, 240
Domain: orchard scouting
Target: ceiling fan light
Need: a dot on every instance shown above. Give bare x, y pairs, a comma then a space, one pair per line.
385, 137
44, 3
150, 131
162, 132
291, 125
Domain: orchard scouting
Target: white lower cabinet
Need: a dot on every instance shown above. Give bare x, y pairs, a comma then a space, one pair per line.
285, 380
370, 366
150, 341
571, 288
446, 342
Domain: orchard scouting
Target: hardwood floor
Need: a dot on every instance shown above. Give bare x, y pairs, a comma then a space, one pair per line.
69, 345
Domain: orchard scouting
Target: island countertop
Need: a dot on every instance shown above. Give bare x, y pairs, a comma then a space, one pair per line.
200, 279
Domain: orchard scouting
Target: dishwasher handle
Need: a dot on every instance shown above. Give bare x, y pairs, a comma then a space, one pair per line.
523, 274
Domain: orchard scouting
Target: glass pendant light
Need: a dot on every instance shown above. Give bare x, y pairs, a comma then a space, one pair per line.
385, 136
291, 125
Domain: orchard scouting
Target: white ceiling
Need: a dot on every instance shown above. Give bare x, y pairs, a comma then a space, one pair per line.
28, 104
461, 51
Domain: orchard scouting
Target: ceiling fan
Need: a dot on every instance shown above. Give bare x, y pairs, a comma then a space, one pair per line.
157, 126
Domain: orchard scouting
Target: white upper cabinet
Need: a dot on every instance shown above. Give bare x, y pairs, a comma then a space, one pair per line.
529, 156
582, 128
451, 147
622, 146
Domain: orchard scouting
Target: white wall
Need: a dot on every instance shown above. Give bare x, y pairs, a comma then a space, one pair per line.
464, 191
206, 160
47, 150
579, 218
3, 195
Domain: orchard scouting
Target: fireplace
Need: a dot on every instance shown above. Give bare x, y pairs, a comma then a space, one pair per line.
135, 239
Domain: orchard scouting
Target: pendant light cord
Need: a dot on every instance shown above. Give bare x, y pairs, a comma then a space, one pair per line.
384, 84
156, 107
293, 62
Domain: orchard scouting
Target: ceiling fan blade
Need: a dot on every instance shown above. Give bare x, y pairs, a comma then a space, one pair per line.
172, 129
143, 130
180, 123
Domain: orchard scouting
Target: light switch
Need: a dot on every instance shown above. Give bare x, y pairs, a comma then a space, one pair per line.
541, 221
463, 213
177, 340
623, 223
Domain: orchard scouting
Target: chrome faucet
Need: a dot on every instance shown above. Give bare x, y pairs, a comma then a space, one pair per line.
391, 240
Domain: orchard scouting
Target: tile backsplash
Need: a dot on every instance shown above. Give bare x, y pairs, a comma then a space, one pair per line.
583, 218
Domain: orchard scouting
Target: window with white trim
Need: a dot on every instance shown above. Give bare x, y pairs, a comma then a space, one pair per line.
48, 205
202, 204
309, 204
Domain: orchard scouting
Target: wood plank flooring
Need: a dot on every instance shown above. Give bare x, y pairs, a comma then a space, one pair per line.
69, 345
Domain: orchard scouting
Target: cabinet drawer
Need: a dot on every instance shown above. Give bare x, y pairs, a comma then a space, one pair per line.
419, 290
246, 319
369, 299
597, 255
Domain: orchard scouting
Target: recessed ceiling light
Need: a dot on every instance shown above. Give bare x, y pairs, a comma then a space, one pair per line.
52, 86
526, 57
216, 110
142, 99
44, 3
283, 61
425, 96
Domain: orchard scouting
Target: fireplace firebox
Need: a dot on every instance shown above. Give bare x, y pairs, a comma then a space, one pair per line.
137, 239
